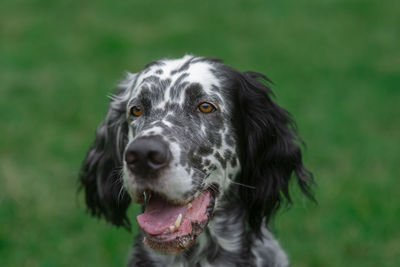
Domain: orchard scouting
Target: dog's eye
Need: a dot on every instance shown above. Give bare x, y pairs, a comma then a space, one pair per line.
136, 111
207, 107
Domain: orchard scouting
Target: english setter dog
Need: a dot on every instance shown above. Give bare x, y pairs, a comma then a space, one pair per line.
208, 155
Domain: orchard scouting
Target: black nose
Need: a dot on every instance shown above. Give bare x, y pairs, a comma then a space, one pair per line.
147, 154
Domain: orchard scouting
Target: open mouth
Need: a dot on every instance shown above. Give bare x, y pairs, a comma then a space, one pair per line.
171, 228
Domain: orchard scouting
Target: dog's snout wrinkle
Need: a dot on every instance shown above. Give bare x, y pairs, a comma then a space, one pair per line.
147, 154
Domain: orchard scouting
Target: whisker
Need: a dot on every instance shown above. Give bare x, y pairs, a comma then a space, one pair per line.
244, 185
214, 188
116, 172
119, 173
115, 97
121, 194
203, 172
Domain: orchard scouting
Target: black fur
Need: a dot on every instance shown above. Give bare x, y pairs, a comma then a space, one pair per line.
269, 148
100, 174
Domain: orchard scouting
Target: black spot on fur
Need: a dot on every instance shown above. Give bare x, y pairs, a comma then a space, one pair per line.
229, 139
207, 162
177, 90
158, 113
194, 92
227, 154
184, 67
206, 59
151, 64
151, 79
165, 83
215, 138
180, 79
215, 88
233, 162
195, 160
213, 167
153, 89
205, 150
220, 159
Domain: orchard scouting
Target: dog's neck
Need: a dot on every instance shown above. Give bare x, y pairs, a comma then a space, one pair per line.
224, 237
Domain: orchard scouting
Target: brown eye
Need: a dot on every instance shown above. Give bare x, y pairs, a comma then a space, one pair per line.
136, 111
206, 107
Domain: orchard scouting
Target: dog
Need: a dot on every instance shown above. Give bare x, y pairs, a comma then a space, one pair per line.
209, 156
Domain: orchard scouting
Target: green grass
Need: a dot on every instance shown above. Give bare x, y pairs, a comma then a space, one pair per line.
336, 68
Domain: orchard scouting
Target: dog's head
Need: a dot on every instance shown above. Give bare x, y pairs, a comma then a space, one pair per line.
181, 135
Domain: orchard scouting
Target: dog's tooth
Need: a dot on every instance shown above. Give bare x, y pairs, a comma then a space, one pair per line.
189, 206
178, 221
172, 228
145, 197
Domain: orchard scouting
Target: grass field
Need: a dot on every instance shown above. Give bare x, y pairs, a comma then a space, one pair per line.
336, 68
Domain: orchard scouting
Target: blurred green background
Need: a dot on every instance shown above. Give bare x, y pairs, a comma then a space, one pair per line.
336, 68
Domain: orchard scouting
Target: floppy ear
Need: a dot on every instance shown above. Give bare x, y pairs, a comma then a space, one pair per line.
100, 174
270, 152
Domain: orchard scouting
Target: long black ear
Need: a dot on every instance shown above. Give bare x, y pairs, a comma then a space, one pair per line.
100, 174
270, 152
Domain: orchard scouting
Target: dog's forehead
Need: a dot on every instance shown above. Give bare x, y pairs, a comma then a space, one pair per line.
170, 77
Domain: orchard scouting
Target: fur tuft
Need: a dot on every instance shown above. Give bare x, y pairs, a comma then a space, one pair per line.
101, 171
269, 149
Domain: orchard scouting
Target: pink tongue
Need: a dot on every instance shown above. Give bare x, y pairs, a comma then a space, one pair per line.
159, 214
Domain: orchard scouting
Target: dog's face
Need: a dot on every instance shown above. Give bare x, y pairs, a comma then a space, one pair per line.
187, 115
186, 133
181, 148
